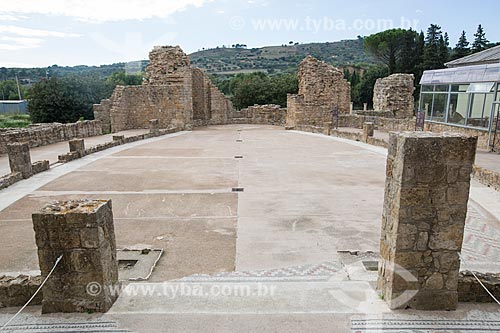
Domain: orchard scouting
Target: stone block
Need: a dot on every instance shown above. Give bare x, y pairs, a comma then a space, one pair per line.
20, 159
82, 231
77, 146
368, 130
423, 218
118, 137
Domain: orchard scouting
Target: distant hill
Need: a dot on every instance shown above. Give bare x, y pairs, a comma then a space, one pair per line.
272, 59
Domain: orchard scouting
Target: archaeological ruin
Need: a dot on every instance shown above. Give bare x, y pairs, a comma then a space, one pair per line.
354, 213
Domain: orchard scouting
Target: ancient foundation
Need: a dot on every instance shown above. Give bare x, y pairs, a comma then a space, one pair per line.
395, 94
83, 232
426, 195
322, 88
20, 159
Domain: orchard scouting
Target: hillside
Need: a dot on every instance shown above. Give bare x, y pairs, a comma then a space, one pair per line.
272, 59
275, 59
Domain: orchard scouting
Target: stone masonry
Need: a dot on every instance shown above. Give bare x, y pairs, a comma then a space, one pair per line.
20, 159
83, 232
269, 114
77, 146
322, 87
426, 195
173, 92
395, 94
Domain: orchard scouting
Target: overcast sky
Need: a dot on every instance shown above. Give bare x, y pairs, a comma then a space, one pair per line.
35, 33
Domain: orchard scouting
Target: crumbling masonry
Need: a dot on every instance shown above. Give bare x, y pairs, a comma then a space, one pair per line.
173, 92
322, 88
395, 94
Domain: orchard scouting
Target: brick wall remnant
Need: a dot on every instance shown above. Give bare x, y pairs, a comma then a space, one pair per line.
20, 158
16, 291
83, 232
395, 94
38, 135
321, 88
426, 195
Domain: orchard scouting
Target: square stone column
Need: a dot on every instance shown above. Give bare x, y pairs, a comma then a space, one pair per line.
368, 130
154, 126
426, 194
78, 146
20, 159
82, 231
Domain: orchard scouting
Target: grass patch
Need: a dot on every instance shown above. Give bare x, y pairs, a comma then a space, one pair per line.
14, 120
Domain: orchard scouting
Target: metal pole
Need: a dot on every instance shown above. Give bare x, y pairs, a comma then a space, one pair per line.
18, 89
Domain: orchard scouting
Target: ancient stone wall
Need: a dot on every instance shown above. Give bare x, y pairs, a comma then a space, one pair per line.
102, 112
44, 134
269, 114
482, 136
173, 92
395, 94
16, 291
321, 88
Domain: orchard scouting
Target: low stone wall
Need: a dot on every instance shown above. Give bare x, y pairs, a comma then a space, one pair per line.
469, 289
381, 123
482, 136
44, 134
486, 177
355, 136
16, 291
269, 114
372, 113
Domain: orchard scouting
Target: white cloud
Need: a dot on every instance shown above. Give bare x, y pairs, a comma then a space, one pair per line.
101, 10
12, 17
15, 38
27, 32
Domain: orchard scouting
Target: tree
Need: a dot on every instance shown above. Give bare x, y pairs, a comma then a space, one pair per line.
67, 99
396, 48
8, 90
462, 48
363, 91
434, 53
480, 42
123, 79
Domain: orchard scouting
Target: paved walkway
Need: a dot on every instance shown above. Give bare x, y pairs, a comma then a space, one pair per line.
305, 198
51, 152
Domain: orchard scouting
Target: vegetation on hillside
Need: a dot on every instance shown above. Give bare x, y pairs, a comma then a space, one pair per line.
14, 120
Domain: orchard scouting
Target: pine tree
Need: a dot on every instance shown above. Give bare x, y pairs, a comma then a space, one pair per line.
480, 42
462, 48
444, 52
434, 48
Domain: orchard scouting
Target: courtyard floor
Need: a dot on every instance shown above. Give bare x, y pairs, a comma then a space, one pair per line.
308, 203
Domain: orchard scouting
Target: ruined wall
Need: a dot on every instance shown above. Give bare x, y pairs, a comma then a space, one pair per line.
395, 93
173, 92
269, 114
482, 136
134, 106
38, 135
102, 113
321, 88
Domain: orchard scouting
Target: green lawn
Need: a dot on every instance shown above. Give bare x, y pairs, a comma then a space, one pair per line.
14, 120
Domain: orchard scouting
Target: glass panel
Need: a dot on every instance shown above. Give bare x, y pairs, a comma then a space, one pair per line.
439, 108
426, 105
480, 87
442, 88
427, 88
459, 87
476, 75
458, 108
492, 73
476, 117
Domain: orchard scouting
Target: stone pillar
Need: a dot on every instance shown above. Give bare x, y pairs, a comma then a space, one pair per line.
365, 106
351, 108
154, 126
83, 232
368, 129
77, 146
426, 194
20, 159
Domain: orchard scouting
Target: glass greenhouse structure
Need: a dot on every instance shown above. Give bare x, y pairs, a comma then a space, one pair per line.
466, 96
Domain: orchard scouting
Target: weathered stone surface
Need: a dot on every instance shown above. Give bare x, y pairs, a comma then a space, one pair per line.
77, 146
424, 217
269, 114
38, 135
368, 130
469, 289
83, 232
154, 126
16, 291
322, 88
40, 166
173, 92
118, 137
20, 158
395, 94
